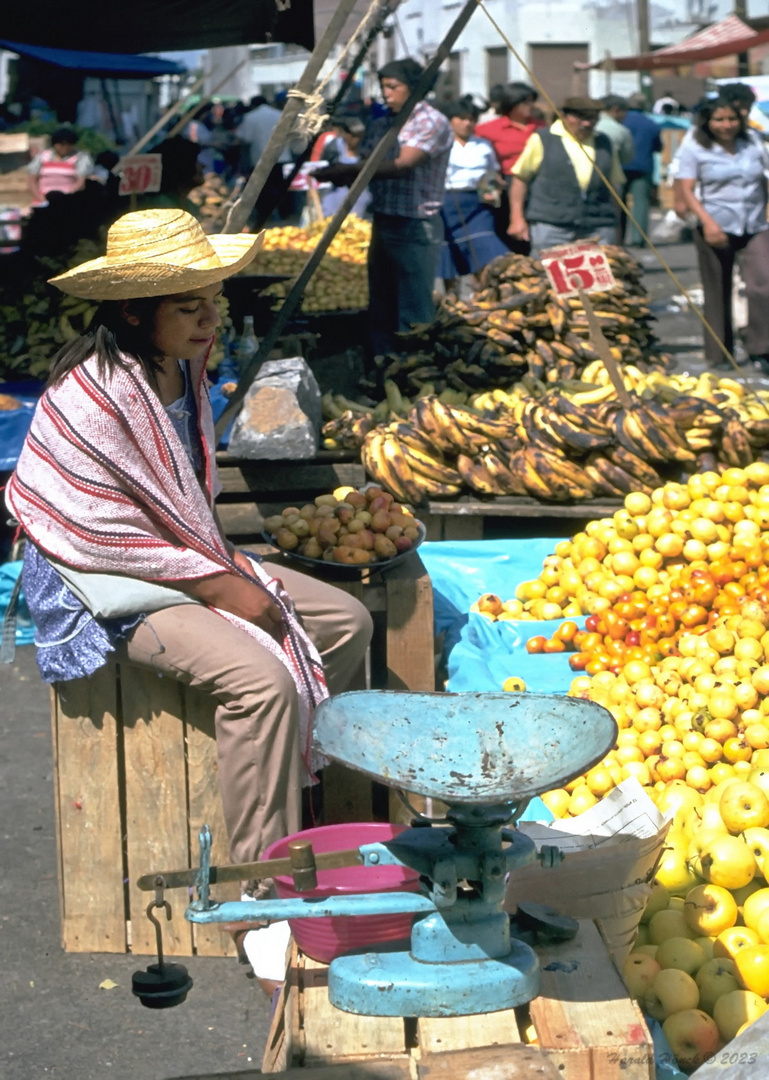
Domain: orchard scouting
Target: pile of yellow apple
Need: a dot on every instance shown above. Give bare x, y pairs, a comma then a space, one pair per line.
700, 963
697, 523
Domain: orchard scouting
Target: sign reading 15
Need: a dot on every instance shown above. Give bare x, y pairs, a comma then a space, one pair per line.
577, 266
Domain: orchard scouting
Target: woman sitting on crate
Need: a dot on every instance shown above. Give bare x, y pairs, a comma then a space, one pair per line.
114, 491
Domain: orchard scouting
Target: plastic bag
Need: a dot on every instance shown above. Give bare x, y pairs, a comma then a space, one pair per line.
669, 230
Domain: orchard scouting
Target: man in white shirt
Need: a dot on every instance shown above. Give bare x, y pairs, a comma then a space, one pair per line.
256, 127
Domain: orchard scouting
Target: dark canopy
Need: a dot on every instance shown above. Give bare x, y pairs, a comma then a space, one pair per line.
139, 26
112, 65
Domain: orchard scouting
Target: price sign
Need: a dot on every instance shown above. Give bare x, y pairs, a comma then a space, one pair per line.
577, 266
140, 174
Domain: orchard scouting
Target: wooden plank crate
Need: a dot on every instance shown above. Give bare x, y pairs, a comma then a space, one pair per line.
583, 1025
135, 776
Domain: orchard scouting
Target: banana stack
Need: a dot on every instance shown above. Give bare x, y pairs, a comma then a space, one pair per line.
568, 442
36, 319
516, 325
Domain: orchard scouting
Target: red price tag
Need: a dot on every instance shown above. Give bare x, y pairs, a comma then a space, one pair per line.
577, 266
140, 174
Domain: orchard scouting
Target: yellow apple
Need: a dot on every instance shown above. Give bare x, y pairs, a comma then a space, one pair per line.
678, 797
673, 870
727, 861
706, 817
759, 777
730, 941
649, 950
693, 1036
659, 899
638, 971
758, 841
709, 909
670, 991
698, 842
680, 952
706, 944
754, 906
752, 965
744, 806
716, 977
669, 923
736, 1008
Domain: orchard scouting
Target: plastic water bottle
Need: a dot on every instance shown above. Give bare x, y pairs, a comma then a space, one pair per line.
247, 344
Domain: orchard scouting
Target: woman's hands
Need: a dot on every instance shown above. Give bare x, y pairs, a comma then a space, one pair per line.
519, 229
240, 597
714, 234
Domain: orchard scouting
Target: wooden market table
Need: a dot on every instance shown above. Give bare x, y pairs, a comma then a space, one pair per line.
582, 1025
253, 490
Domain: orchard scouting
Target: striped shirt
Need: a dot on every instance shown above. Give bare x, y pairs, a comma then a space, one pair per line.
60, 174
419, 193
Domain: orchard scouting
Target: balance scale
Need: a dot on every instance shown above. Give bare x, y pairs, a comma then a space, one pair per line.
485, 756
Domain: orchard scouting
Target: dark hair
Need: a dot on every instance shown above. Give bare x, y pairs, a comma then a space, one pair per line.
110, 338
64, 135
513, 94
351, 124
406, 71
739, 93
462, 108
705, 113
614, 101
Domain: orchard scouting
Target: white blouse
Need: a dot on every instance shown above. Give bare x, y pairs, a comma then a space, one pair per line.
469, 163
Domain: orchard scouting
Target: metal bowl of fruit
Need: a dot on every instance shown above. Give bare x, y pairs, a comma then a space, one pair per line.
348, 531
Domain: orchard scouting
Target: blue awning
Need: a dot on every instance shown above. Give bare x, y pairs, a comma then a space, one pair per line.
113, 65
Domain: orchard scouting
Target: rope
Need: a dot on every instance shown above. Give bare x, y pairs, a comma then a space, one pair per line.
617, 197
314, 116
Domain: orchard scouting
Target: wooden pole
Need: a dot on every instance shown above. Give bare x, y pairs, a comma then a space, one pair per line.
369, 168
643, 46
165, 117
743, 61
205, 100
239, 214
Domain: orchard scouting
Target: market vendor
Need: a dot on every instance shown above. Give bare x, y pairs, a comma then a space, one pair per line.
117, 477
61, 168
557, 195
406, 197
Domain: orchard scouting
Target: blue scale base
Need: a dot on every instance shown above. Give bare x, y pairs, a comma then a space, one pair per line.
395, 984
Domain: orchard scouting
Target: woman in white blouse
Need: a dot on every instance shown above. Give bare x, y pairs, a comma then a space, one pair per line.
721, 173
472, 183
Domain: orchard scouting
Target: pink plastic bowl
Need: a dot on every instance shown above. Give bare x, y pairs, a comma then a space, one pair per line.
325, 939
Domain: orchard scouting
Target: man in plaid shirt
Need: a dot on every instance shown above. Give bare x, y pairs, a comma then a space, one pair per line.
406, 196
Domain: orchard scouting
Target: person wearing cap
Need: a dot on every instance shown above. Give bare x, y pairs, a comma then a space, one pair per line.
611, 123
557, 195
114, 493
639, 171
406, 198
61, 168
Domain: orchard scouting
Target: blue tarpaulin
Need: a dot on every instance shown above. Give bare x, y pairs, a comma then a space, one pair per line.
14, 423
114, 65
481, 654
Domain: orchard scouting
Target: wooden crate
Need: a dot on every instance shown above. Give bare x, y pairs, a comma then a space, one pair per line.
135, 773
583, 1025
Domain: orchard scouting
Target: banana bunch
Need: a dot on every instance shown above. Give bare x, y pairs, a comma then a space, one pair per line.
410, 471
341, 280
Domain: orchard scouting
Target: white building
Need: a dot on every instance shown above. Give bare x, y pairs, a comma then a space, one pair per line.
549, 36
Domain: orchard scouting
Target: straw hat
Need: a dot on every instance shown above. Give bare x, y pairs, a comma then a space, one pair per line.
155, 253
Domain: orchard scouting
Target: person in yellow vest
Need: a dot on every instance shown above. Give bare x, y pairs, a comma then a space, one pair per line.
557, 195
62, 168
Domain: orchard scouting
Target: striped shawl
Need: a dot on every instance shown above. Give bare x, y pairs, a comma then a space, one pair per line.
104, 484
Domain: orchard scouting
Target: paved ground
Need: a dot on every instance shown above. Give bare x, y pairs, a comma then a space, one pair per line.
54, 1018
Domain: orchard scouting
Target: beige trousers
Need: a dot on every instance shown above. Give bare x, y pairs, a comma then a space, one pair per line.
257, 715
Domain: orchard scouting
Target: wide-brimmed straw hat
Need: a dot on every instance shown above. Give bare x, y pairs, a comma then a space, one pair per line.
157, 253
